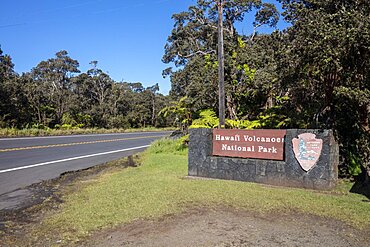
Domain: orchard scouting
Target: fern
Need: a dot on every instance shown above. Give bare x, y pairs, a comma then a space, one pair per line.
243, 124
208, 119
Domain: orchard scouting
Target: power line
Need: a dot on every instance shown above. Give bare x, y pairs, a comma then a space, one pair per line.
13, 25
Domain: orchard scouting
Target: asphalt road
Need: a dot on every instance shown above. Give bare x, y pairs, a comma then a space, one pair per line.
28, 160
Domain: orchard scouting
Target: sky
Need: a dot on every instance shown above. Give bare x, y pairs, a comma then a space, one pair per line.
126, 37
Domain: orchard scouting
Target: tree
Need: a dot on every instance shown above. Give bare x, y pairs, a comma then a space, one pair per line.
6, 72
325, 69
6, 67
221, 60
14, 110
99, 84
37, 100
193, 43
181, 111
54, 76
152, 93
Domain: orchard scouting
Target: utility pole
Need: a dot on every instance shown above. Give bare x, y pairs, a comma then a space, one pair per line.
221, 76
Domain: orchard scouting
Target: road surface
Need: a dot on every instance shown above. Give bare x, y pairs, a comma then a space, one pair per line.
28, 160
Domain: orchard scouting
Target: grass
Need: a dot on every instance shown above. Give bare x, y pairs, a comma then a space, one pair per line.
157, 188
14, 132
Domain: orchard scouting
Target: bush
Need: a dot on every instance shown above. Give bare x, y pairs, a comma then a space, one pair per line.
68, 119
66, 127
169, 146
120, 122
38, 126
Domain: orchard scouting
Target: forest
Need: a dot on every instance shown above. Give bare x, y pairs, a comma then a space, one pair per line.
313, 74
56, 95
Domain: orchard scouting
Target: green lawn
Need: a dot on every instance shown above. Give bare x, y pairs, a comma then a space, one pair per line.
159, 187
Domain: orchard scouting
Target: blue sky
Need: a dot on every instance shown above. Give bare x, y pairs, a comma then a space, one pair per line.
126, 37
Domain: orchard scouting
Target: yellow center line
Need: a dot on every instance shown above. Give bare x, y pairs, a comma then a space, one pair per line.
76, 143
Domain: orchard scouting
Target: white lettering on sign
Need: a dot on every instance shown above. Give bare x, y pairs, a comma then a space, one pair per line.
235, 138
262, 149
248, 138
260, 144
226, 147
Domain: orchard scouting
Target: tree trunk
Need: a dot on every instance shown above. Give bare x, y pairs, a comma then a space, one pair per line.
221, 86
153, 112
231, 107
39, 114
365, 111
364, 115
270, 100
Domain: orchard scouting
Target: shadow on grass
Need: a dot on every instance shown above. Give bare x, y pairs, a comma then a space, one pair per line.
359, 187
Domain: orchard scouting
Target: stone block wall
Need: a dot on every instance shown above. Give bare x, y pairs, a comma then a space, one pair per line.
282, 173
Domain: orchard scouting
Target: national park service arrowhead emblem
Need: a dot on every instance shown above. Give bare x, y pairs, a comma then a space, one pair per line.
307, 150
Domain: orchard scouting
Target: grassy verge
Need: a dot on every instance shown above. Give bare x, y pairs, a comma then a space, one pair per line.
158, 187
13, 132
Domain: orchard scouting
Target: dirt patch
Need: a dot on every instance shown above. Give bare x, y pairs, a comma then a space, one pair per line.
230, 227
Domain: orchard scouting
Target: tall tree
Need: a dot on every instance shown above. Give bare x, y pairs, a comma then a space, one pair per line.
152, 94
13, 105
193, 42
221, 61
6, 74
99, 84
54, 75
325, 67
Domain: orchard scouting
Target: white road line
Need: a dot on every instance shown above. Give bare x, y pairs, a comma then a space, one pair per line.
69, 159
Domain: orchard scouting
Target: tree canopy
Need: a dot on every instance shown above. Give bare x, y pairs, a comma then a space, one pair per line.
56, 94
313, 74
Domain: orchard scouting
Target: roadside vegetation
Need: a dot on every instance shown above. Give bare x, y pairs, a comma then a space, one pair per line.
159, 187
14, 132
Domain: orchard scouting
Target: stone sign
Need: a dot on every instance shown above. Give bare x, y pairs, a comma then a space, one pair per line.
310, 157
307, 150
258, 144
